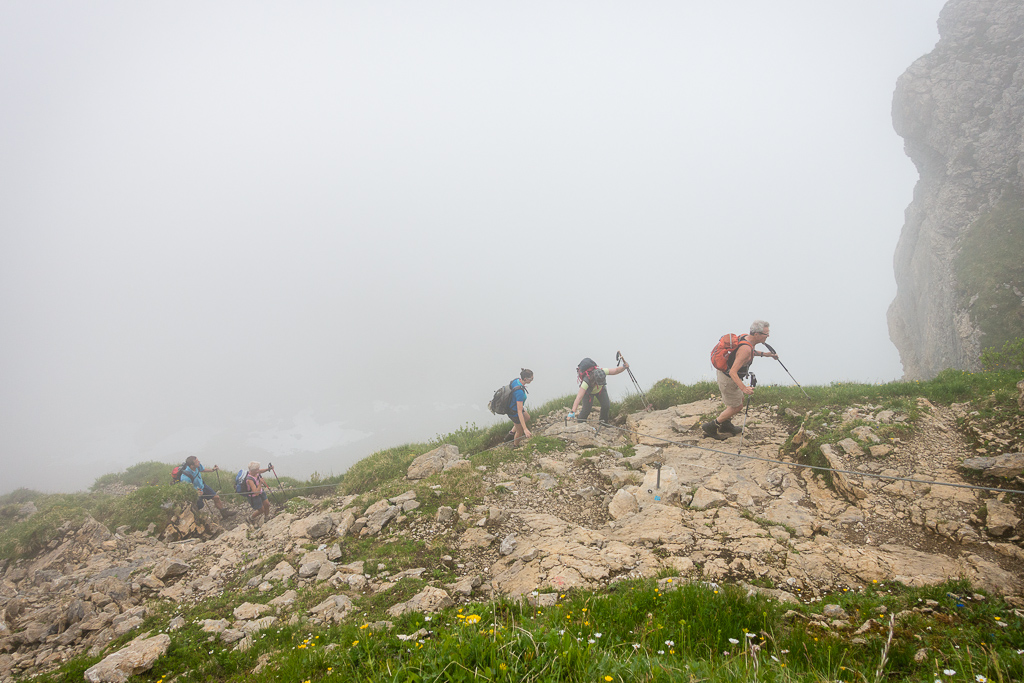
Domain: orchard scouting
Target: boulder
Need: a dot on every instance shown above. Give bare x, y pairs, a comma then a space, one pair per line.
476, 538
114, 588
430, 599
169, 568
1000, 519
281, 571
333, 609
251, 610
135, 658
311, 562
259, 624
434, 462
623, 504
314, 526
508, 545
1008, 465
378, 520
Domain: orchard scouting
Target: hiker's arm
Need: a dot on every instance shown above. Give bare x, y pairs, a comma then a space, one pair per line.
617, 369
579, 396
766, 354
743, 357
522, 420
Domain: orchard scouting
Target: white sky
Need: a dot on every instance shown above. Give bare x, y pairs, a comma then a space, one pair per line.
309, 230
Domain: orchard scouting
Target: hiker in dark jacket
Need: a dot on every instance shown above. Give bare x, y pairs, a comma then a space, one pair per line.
193, 473
591, 380
731, 384
516, 412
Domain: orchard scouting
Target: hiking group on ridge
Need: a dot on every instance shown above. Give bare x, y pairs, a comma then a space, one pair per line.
731, 357
248, 482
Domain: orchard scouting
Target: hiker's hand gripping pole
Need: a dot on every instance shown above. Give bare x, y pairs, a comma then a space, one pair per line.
767, 346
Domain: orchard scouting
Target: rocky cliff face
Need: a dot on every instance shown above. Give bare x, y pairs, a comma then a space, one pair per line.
958, 264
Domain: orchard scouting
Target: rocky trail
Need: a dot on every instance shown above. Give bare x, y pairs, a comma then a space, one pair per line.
594, 513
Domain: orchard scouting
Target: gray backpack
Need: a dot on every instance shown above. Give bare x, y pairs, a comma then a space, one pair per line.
502, 397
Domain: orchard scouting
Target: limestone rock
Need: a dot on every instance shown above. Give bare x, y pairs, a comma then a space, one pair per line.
333, 609
1009, 465
314, 526
281, 571
430, 599
704, 498
1000, 519
434, 462
476, 538
508, 545
169, 568
133, 659
851, 448
958, 111
623, 504
251, 610
378, 520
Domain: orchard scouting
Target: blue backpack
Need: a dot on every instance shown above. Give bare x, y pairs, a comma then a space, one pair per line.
240, 486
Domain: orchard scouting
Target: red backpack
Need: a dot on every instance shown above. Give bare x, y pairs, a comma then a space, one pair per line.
724, 353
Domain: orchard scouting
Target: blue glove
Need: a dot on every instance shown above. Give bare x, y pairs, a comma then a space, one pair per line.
571, 416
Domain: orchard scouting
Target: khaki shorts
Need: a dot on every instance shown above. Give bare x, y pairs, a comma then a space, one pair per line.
732, 395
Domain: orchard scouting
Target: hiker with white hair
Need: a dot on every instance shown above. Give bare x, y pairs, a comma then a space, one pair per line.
258, 492
731, 359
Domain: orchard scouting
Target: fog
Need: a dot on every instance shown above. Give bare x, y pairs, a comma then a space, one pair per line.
300, 232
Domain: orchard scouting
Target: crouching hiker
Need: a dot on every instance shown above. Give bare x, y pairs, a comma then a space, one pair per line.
193, 472
731, 358
593, 383
516, 412
258, 491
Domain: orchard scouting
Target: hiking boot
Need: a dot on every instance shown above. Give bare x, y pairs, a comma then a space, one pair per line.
729, 427
711, 429
227, 512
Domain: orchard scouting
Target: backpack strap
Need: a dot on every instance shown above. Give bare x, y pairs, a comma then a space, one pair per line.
521, 386
741, 340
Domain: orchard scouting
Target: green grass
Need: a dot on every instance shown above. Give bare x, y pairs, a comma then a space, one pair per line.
27, 537
633, 632
987, 266
668, 392
1009, 357
149, 473
621, 634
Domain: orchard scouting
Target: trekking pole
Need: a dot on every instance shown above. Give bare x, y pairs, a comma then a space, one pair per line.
279, 484
746, 412
619, 360
786, 369
218, 478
